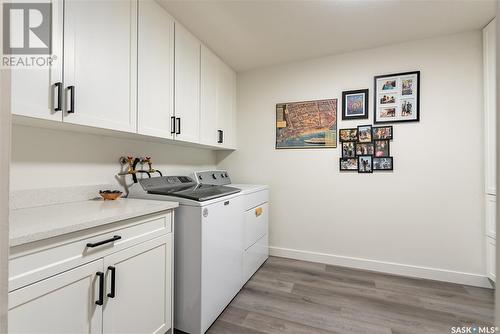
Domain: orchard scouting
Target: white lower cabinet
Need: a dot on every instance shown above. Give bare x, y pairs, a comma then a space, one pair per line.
123, 283
141, 299
64, 303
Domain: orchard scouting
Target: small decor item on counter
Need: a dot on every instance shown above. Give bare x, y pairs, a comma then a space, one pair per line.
308, 124
382, 148
348, 164
355, 104
397, 97
365, 164
385, 163
348, 149
348, 135
110, 195
382, 132
364, 134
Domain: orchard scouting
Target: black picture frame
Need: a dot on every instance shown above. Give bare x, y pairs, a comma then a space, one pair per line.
371, 133
372, 144
375, 97
359, 164
353, 146
381, 127
364, 92
348, 129
375, 142
348, 170
382, 169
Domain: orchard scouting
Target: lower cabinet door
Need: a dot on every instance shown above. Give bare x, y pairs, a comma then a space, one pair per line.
139, 293
64, 303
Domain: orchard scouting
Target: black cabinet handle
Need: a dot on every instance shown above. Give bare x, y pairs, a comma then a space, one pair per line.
99, 243
71, 109
178, 127
113, 274
172, 125
221, 136
100, 301
58, 86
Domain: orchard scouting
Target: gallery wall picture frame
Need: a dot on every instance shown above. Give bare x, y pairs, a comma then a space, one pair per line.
355, 104
364, 134
365, 164
346, 135
383, 163
348, 164
348, 149
382, 132
382, 148
298, 124
396, 98
365, 148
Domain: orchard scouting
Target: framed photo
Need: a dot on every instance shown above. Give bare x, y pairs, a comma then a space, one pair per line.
397, 97
365, 164
384, 163
382, 132
348, 149
348, 164
365, 134
348, 135
355, 104
308, 124
365, 149
381, 148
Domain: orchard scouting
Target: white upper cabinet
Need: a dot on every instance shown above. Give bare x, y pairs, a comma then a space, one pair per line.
38, 92
155, 70
489, 53
226, 103
217, 101
100, 63
187, 85
209, 78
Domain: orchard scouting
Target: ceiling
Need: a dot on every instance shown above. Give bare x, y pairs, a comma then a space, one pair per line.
248, 34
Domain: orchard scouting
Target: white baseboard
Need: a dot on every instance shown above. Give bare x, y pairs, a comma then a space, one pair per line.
385, 267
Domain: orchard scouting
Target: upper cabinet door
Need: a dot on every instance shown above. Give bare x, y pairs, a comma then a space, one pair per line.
209, 77
226, 103
187, 85
38, 92
100, 63
489, 53
155, 70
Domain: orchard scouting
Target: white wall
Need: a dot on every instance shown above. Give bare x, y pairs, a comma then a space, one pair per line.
423, 219
46, 158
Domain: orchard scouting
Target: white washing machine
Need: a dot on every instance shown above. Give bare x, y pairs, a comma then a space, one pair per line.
220, 241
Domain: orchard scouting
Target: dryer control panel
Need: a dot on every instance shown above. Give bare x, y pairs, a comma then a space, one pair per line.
214, 177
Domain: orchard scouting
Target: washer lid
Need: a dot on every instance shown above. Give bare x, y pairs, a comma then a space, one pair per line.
200, 192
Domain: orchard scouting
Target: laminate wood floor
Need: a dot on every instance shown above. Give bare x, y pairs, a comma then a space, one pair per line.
290, 296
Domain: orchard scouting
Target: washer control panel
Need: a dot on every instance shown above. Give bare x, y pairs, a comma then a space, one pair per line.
215, 177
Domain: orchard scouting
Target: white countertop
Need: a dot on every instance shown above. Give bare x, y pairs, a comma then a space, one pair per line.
38, 223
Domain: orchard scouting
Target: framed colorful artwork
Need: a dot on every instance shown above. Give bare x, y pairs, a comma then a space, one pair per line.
355, 104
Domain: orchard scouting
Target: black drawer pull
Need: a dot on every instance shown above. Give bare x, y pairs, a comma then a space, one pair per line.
100, 301
113, 274
221, 136
99, 243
